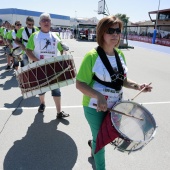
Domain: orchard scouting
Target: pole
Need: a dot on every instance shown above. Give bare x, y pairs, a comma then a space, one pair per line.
155, 30
157, 16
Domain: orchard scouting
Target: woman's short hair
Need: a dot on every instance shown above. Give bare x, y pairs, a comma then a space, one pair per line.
45, 15
103, 26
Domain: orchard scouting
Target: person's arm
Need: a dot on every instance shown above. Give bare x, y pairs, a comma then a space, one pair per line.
18, 42
85, 77
133, 85
88, 91
30, 48
31, 55
9, 40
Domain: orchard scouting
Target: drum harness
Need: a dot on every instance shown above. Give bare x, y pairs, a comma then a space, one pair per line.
117, 77
15, 34
28, 34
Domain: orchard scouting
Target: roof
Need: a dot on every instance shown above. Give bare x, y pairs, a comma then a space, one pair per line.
30, 13
160, 11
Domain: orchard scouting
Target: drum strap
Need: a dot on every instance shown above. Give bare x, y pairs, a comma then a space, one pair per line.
28, 34
117, 77
15, 33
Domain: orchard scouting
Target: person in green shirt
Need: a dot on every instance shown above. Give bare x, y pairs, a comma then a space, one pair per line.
8, 28
101, 88
41, 45
11, 42
23, 35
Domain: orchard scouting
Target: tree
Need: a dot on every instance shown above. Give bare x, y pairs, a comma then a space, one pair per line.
123, 18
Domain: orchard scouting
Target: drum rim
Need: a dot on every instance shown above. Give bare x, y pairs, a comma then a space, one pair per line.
126, 137
43, 62
16, 49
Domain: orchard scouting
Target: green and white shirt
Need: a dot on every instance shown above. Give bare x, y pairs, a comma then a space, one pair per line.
21, 34
5, 33
91, 65
44, 45
2, 31
12, 36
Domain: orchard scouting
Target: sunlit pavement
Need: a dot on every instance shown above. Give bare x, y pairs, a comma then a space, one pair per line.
34, 141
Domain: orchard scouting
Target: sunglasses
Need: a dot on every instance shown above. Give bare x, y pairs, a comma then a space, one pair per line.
30, 24
45, 20
18, 24
113, 30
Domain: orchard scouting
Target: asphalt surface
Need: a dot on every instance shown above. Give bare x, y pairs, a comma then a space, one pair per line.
34, 141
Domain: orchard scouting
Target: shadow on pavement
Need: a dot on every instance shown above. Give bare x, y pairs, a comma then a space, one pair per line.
91, 161
3, 60
43, 148
79, 40
2, 68
21, 102
6, 73
10, 83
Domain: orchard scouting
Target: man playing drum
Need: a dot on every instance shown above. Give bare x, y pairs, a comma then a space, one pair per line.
23, 35
45, 44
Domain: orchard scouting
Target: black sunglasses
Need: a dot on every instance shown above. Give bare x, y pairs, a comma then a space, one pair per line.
18, 24
30, 24
113, 30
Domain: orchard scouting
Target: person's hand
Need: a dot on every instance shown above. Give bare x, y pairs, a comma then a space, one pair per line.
101, 103
147, 87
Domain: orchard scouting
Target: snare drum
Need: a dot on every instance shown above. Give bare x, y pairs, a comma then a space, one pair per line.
134, 133
46, 75
17, 53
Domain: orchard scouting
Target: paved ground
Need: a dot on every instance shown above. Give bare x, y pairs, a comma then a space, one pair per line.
33, 141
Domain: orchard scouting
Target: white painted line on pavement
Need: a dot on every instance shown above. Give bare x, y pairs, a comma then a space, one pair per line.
150, 49
150, 103
67, 107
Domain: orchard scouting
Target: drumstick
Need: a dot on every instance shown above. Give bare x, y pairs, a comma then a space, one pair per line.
140, 92
125, 114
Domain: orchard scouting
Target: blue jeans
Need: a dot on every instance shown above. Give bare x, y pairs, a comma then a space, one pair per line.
55, 93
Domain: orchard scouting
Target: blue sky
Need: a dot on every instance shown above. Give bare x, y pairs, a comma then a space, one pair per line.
135, 9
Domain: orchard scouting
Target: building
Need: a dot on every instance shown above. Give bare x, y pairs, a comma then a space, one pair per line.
140, 28
13, 14
85, 27
74, 22
161, 19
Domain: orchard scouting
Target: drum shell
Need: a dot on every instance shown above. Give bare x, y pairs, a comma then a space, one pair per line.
39, 77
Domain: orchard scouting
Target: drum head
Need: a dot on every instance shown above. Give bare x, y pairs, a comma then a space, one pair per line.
131, 128
17, 51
